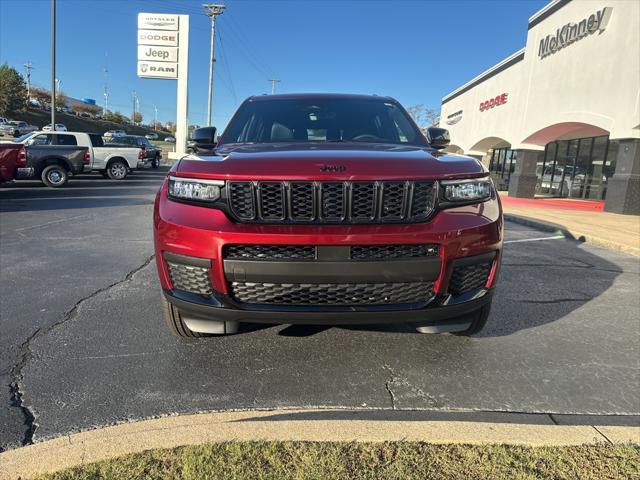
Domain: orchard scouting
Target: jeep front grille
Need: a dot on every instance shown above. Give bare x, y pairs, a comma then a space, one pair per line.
332, 294
331, 202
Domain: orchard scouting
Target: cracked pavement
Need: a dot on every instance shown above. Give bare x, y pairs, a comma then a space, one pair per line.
83, 342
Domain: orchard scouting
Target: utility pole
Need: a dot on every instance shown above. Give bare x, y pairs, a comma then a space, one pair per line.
53, 65
28, 67
155, 118
273, 85
212, 11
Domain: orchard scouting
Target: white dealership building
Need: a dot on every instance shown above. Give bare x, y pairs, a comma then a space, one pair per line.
561, 116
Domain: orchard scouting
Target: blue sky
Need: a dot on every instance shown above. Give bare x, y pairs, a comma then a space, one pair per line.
416, 51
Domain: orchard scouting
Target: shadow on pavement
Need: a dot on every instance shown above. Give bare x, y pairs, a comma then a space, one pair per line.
82, 191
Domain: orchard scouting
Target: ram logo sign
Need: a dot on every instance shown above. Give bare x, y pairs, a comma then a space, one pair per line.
158, 69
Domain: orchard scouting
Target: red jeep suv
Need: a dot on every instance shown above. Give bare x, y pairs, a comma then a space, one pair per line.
326, 209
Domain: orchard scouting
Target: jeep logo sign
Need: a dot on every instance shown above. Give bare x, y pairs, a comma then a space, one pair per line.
572, 32
159, 54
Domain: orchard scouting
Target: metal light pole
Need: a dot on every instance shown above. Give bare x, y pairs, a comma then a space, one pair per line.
53, 64
155, 118
212, 11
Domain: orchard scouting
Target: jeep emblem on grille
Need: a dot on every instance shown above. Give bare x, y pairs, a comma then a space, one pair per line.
333, 168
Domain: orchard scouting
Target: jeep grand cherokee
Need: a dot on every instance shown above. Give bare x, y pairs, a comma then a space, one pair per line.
327, 209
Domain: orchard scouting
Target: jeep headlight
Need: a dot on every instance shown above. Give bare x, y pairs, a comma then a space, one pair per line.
195, 189
471, 190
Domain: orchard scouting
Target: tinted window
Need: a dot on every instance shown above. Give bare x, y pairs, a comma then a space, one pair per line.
96, 140
43, 139
66, 140
322, 119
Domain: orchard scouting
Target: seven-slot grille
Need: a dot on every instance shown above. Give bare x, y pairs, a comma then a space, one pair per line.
332, 202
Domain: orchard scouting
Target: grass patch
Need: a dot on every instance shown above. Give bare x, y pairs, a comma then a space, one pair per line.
391, 460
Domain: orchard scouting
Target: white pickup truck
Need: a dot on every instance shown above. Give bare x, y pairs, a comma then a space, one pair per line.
113, 162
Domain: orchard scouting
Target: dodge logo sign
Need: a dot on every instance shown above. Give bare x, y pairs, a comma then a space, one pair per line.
333, 168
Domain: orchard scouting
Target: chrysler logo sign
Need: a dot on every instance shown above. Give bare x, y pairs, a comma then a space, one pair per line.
572, 32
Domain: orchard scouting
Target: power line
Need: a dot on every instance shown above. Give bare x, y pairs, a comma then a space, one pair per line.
212, 11
226, 64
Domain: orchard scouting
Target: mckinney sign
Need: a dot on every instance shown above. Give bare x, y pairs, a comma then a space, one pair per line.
572, 32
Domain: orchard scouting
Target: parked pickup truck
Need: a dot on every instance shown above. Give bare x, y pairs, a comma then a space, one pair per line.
16, 128
11, 158
113, 161
152, 154
53, 164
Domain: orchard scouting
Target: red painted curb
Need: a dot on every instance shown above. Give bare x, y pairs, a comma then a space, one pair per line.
555, 203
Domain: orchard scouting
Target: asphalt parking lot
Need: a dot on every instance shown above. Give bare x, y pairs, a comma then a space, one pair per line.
83, 343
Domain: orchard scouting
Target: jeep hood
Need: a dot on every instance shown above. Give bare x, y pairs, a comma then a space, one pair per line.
327, 161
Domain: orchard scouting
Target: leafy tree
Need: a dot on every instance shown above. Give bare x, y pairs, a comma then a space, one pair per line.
85, 107
137, 118
41, 95
424, 116
61, 99
13, 91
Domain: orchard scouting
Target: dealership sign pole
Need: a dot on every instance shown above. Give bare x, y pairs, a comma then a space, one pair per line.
163, 52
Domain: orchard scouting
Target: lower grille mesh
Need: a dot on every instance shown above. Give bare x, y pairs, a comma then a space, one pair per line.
470, 277
190, 278
335, 294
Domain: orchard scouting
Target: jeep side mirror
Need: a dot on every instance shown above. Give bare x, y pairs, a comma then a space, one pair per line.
437, 137
204, 137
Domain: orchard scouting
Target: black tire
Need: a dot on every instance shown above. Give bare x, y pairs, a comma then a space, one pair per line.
54, 176
117, 170
156, 162
174, 321
480, 318
104, 173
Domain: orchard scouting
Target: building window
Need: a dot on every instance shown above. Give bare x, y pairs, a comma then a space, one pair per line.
502, 163
577, 168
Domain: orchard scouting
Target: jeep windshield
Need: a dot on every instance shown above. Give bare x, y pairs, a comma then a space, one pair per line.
311, 119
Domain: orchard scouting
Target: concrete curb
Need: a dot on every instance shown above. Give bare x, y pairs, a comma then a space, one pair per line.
571, 233
301, 425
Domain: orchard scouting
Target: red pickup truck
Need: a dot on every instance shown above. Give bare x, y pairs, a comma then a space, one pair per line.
327, 209
12, 157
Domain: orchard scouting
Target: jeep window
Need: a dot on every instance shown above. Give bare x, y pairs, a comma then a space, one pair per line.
322, 120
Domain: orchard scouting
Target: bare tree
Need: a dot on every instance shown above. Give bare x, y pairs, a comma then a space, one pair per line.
424, 116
